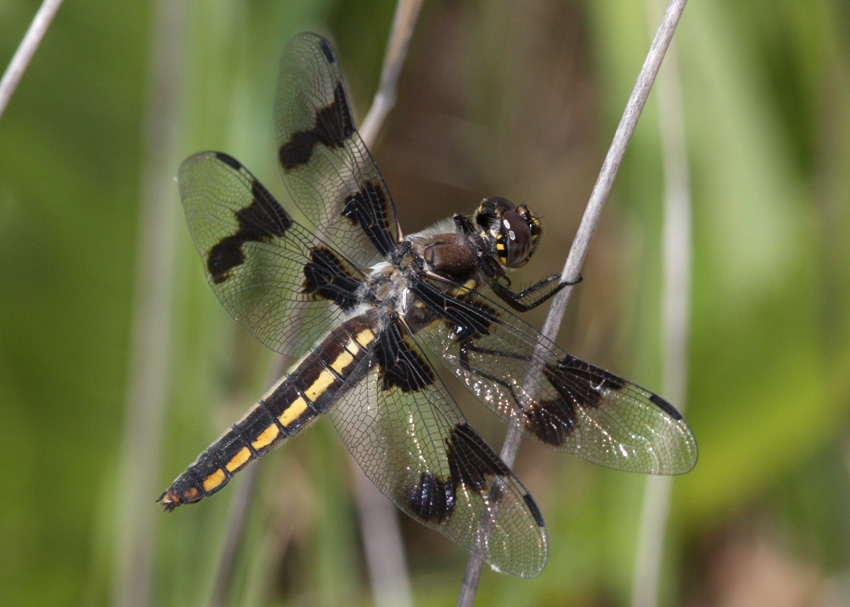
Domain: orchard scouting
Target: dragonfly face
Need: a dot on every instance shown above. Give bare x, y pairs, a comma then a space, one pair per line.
513, 231
372, 309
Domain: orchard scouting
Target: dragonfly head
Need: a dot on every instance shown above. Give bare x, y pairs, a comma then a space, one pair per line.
512, 230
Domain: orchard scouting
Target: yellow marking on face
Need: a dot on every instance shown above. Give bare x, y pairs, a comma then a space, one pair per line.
266, 437
271, 390
365, 337
319, 386
536, 231
214, 480
500, 246
238, 460
292, 412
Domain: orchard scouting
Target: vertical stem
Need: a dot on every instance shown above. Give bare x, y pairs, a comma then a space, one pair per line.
237, 525
590, 219
148, 376
406, 14
382, 543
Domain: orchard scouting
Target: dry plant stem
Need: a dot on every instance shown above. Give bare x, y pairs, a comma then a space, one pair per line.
676, 255
21, 59
382, 543
407, 11
237, 525
148, 373
237, 521
592, 213
388, 576
612, 162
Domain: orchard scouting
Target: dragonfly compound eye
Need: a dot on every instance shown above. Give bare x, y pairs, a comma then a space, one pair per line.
515, 242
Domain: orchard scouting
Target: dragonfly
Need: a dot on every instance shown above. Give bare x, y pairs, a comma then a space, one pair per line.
368, 309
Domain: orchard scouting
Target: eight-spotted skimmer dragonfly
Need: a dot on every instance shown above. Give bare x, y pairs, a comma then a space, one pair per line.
372, 308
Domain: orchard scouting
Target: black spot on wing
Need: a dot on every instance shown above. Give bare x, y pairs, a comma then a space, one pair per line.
262, 220
577, 385
298, 150
333, 125
666, 407
327, 277
400, 365
432, 500
225, 256
472, 463
471, 460
370, 209
551, 421
578, 370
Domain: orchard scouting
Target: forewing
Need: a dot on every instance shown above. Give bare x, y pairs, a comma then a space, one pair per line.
324, 163
408, 436
555, 397
272, 275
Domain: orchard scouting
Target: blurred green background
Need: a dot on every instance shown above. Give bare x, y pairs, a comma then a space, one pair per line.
512, 99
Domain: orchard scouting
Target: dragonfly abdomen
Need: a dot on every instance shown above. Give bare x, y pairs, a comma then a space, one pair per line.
311, 386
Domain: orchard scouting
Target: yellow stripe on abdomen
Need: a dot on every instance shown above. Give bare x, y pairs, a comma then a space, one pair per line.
240, 459
266, 437
318, 387
312, 384
342, 361
365, 337
214, 480
292, 412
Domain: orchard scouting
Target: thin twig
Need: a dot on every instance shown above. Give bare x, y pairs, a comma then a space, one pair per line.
148, 373
407, 11
592, 213
676, 255
21, 58
389, 576
382, 543
611, 165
